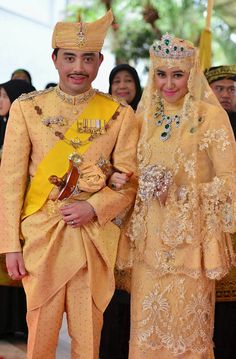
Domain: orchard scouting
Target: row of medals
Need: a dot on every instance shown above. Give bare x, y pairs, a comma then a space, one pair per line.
94, 127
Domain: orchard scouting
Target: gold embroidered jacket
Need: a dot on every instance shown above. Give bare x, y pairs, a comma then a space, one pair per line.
53, 251
190, 234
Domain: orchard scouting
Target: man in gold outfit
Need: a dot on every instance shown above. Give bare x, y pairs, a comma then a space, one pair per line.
58, 225
222, 80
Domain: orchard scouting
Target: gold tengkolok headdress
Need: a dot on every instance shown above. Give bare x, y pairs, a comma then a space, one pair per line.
81, 35
220, 73
171, 51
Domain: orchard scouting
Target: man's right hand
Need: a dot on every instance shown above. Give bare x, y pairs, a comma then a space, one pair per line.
118, 180
15, 265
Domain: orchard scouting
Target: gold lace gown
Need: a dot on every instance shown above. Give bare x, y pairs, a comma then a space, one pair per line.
182, 247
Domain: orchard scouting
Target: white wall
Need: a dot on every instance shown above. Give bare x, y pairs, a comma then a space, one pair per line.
26, 28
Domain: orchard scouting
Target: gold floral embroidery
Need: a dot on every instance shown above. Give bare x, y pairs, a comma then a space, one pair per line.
217, 273
183, 218
208, 206
180, 224
189, 165
30, 95
217, 206
199, 208
75, 99
165, 261
137, 230
215, 135
162, 327
143, 148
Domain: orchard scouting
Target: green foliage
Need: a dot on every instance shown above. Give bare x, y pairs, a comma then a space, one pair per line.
89, 11
183, 18
223, 47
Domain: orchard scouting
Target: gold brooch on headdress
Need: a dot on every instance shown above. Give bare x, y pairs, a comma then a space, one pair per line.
81, 36
81, 33
170, 47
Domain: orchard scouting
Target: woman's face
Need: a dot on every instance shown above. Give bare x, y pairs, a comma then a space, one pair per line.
171, 83
5, 103
123, 85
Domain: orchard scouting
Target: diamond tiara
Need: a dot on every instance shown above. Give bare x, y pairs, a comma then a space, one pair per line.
171, 47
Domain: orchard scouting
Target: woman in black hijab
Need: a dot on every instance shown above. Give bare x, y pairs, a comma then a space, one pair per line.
21, 74
9, 91
124, 82
13, 303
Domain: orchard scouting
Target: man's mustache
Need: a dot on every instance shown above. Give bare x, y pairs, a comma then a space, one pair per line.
79, 74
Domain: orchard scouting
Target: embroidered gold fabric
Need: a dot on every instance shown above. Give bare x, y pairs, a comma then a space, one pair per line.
75, 100
182, 246
53, 251
173, 315
200, 208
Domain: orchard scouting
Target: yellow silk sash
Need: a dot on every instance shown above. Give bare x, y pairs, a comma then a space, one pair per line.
56, 160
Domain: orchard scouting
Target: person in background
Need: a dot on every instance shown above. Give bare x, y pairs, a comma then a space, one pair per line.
222, 80
57, 213
124, 83
13, 303
50, 84
21, 74
9, 91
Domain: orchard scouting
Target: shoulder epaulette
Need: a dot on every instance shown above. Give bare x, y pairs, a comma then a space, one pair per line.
120, 100
30, 95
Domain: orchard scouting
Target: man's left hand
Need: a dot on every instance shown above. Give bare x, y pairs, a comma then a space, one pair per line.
78, 214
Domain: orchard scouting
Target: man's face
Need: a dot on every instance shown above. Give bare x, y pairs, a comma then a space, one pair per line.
225, 91
76, 69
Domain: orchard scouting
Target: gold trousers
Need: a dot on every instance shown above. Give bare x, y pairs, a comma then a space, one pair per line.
83, 318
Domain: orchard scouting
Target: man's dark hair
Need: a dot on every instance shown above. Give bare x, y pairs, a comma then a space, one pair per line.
55, 52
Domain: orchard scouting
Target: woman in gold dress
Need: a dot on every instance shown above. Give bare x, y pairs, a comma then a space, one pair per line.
185, 208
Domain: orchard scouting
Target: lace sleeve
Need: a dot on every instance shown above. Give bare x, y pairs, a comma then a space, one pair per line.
218, 197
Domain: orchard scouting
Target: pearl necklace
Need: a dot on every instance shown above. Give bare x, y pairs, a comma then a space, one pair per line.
167, 120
